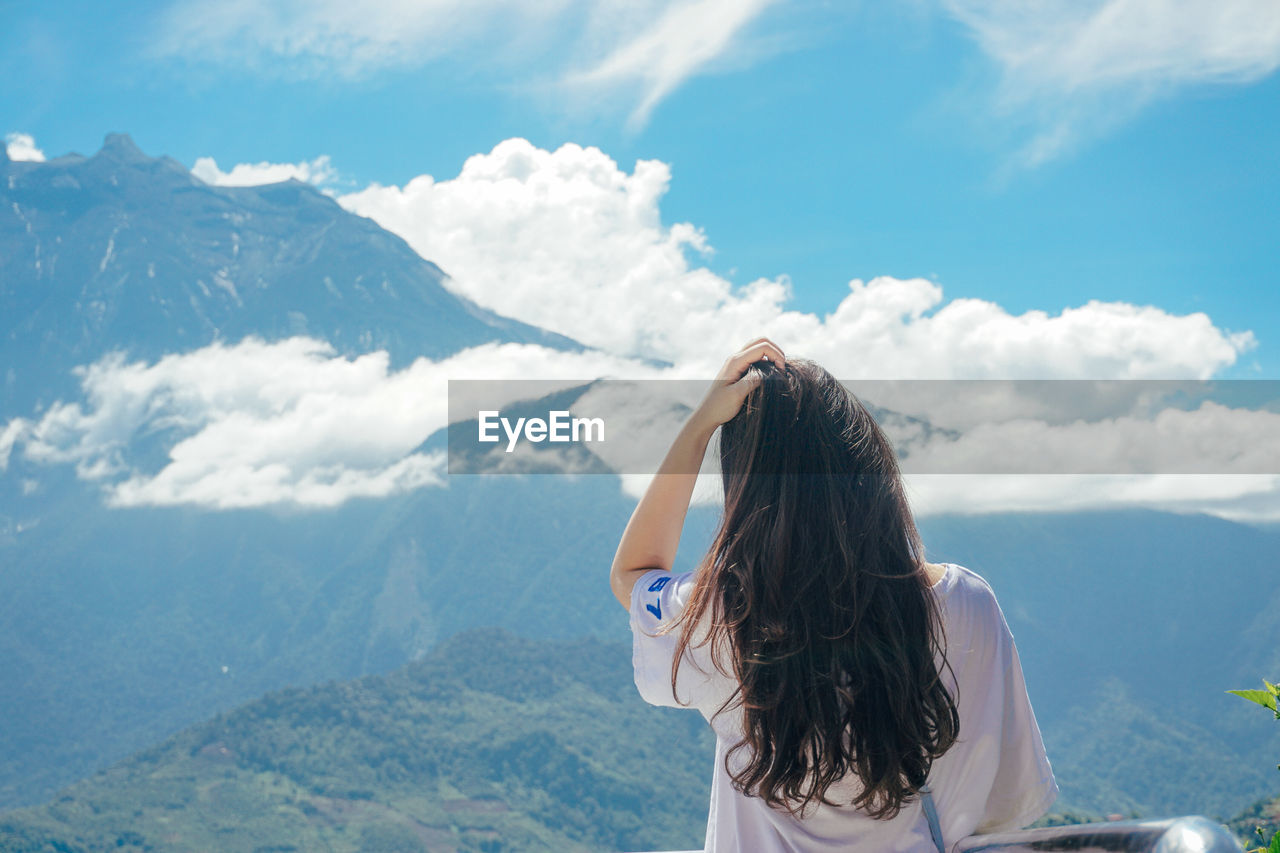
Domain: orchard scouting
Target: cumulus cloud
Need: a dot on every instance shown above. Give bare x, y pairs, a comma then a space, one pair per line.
1079, 67
319, 171
22, 146
569, 241
650, 46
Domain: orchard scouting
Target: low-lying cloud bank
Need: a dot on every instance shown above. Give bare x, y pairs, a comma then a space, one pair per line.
318, 171
257, 423
294, 423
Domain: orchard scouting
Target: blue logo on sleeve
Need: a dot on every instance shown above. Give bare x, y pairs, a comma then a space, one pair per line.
656, 586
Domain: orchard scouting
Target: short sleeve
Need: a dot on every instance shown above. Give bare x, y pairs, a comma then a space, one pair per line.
657, 598
1024, 786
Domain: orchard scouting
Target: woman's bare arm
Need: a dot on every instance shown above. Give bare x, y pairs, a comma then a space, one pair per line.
652, 535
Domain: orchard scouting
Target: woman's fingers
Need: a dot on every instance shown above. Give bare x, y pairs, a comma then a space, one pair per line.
763, 348
730, 389
757, 343
750, 344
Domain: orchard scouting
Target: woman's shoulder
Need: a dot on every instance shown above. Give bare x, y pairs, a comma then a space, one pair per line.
964, 590
956, 578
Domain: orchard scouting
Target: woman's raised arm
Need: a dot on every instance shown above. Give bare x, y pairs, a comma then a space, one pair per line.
652, 535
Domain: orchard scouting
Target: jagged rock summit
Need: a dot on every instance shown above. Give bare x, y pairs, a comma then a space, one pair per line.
121, 146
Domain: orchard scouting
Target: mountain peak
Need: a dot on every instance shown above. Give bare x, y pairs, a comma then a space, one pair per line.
120, 146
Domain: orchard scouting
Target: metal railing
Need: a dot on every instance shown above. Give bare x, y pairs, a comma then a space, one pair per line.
1192, 834
1176, 835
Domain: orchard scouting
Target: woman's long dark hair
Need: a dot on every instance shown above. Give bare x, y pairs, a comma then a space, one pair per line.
815, 596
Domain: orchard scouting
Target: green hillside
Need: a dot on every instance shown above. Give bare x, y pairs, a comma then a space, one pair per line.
1121, 753
496, 743
491, 743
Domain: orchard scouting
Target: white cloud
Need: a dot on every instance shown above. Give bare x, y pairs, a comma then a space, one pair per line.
291, 422
258, 423
1249, 498
322, 37
1243, 497
22, 146
1150, 452
1073, 68
9, 436
319, 171
684, 38
649, 45
1080, 66
568, 241
1212, 439
1071, 45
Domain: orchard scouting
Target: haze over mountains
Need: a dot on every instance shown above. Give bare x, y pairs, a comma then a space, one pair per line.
120, 626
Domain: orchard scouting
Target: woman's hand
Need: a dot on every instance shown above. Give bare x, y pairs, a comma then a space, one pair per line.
730, 389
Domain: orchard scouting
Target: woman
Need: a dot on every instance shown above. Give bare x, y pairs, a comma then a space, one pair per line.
862, 698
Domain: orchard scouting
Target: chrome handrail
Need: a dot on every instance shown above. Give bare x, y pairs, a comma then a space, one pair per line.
1192, 834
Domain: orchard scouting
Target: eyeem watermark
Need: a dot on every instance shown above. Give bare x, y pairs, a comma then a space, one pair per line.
982, 426
558, 426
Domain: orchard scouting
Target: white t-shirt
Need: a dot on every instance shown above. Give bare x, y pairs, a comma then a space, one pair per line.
995, 778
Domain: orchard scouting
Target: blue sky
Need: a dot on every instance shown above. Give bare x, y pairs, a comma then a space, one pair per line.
823, 142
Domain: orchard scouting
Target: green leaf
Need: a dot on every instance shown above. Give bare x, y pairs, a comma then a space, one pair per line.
1263, 697
1275, 844
1274, 688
